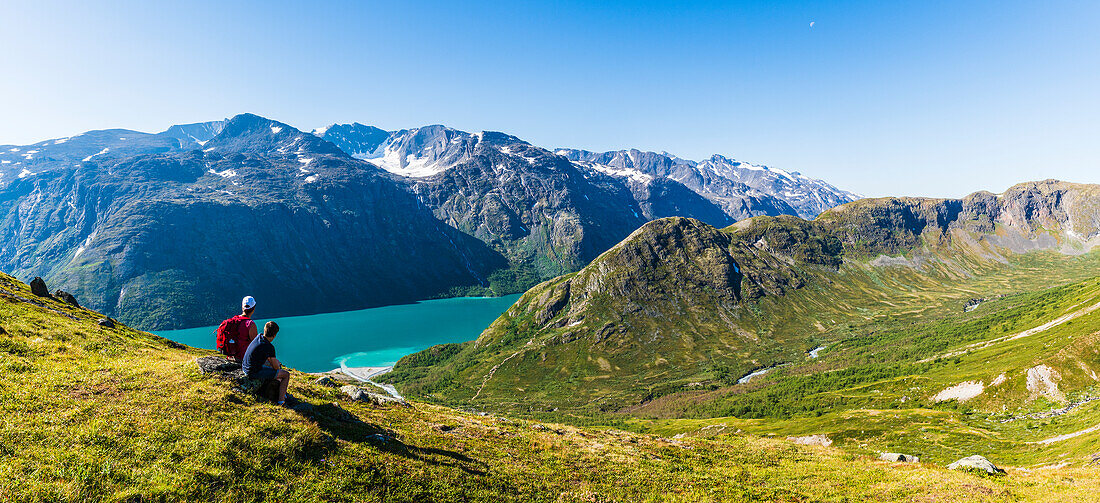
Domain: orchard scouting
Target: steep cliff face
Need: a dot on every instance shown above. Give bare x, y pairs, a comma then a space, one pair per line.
1035, 215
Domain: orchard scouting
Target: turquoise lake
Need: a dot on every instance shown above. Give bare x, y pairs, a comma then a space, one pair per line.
373, 337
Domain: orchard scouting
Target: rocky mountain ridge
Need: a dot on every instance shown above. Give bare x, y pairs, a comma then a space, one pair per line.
130, 222
740, 189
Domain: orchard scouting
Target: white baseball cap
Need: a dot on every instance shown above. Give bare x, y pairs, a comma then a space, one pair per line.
248, 302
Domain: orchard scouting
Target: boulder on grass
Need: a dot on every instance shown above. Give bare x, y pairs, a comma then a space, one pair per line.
896, 457
361, 395
821, 440
66, 297
218, 366
38, 287
976, 463
106, 323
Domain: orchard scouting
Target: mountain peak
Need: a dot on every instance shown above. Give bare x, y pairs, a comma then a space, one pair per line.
198, 132
252, 133
356, 139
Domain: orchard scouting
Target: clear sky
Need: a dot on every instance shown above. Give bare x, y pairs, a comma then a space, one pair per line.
880, 97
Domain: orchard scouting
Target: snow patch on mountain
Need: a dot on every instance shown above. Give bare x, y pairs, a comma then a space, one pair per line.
229, 173
632, 174
101, 152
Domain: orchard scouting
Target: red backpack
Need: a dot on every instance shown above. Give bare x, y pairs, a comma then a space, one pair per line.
233, 336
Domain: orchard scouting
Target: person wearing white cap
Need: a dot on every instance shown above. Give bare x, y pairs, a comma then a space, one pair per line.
237, 332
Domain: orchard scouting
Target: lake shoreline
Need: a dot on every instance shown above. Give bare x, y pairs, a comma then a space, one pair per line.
376, 337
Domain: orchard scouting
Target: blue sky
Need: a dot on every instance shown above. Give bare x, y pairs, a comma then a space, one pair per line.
882, 98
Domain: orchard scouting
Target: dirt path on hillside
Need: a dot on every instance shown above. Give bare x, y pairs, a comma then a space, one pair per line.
1067, 436
497, 366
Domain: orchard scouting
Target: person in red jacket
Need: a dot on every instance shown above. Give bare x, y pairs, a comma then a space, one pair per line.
236, 333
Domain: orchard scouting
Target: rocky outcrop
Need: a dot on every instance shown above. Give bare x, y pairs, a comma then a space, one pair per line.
1048, 214
1042, 381
976, 463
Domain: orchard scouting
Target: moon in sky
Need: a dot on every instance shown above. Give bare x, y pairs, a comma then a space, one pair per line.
811, 24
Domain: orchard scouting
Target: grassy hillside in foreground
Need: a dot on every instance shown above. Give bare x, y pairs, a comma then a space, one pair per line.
95, 414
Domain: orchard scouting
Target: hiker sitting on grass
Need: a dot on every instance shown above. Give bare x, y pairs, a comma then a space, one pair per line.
260, 362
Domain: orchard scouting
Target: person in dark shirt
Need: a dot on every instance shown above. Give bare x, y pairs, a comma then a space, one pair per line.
260, 362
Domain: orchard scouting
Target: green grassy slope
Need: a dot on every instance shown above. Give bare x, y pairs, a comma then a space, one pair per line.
648, 335
96, 414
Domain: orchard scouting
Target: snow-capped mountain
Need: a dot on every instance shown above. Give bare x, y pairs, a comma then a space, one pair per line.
356, 139
741, 189
731, 184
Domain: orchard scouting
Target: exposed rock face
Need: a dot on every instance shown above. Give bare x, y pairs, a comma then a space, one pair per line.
977, 463
661, 259
1035, 215
106, 323
1041, 381
38, 287
961, 392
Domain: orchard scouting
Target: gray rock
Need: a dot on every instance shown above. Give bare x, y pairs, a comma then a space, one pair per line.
66, 297
821, 440
218, 365
895, 457
976, 463
106, 323
38, 287
361, 395
326, 381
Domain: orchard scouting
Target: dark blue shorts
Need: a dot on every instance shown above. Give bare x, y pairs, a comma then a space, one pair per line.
265, 373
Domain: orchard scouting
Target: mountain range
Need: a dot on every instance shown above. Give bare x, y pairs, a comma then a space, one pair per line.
167, 230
